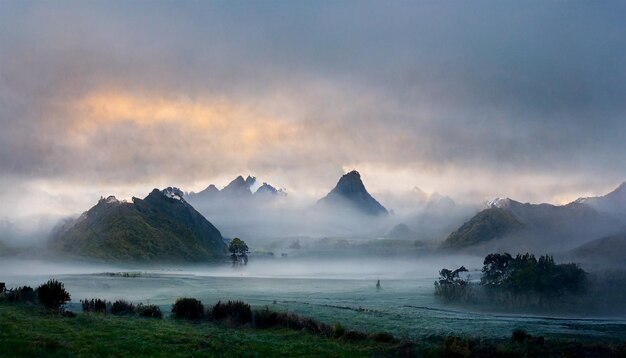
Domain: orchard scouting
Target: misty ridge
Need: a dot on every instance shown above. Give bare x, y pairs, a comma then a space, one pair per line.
350, 221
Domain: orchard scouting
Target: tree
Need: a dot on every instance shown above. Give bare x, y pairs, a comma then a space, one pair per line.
448, 277
53, 295
239, 251
496, 268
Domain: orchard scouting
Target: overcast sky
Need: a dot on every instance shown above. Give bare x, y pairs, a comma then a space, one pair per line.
471, 99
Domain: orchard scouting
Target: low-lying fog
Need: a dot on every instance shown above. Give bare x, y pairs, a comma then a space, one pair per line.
330, 290
365, 268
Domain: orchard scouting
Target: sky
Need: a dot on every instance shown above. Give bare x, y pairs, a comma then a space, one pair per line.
473, 100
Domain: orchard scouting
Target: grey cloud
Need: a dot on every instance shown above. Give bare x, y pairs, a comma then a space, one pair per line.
503, 87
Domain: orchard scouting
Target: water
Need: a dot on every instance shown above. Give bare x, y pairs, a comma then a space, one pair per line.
333, 291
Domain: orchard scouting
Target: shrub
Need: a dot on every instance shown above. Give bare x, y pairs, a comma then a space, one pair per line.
188, 308
458, 347
519, 336
24, 294
150, 311
53, 295
95, 305
3, 287
66, 313
383, 337
337, 330
354, 336
121, 308
235, 311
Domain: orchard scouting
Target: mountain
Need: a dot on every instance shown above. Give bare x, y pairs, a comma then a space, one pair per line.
401, 232
239, 186
543, 226
268, 191
487, 225
350, 193
612, 203
607, 251
209, 193
238, 189
160, 227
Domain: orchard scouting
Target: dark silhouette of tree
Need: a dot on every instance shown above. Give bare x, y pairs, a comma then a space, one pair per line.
239, 251
448, 277
495, 269
53, 295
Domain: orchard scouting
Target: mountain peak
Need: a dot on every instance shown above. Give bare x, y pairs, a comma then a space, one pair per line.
108, 200
240, 186
351, 191
267, 189
350, 183
173, 193
498, 202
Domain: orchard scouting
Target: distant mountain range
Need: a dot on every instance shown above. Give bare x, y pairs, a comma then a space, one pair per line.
350, 194
237, 189
160, 227
509, 223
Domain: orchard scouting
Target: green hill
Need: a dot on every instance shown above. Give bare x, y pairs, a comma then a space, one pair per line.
161, 227
487, 225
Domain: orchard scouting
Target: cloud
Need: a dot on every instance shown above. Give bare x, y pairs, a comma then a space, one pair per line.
469, 99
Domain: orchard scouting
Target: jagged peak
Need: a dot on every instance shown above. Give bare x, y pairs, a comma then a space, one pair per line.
111, 199
173, 193
240, 185
350, 182
269, 189
498, 202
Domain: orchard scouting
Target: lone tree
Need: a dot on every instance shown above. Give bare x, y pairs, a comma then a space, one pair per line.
239, 251
53, 295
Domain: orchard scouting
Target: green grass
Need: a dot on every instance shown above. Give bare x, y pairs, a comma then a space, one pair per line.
32, 331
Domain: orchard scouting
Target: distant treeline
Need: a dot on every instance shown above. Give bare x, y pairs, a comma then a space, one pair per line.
520, 281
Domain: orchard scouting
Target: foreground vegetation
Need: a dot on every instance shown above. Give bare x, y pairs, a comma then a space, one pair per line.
34, 323
31, 331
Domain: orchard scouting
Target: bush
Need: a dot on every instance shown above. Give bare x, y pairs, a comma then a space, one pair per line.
53, 295
383, 337
150, 311
519, 336
188, 308
235, 311
24, 294
354, 336
122, 308
337, 330
458, 347
3, 287
95, 305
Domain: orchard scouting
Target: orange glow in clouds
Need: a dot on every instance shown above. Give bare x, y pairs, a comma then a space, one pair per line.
242, 123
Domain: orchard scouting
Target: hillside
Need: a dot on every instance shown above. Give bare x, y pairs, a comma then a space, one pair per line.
610, 250
161, 227
543, 227
489, 224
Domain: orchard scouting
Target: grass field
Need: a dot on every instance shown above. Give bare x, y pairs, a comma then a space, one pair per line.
31, 331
